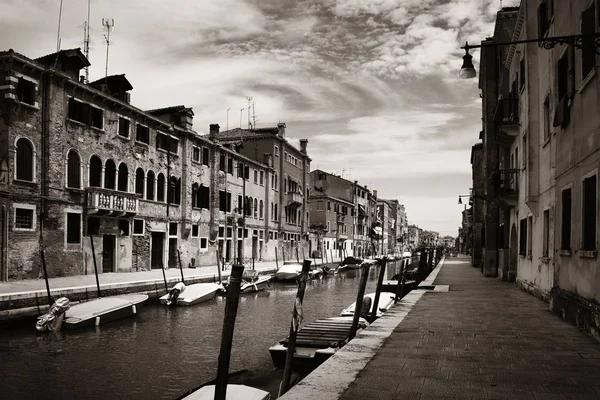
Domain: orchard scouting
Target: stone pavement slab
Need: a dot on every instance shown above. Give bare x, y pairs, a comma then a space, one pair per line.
483, 339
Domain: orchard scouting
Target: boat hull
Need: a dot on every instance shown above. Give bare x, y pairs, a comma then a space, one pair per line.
306, 359
195, 294
252, 287
386, 300
103, 310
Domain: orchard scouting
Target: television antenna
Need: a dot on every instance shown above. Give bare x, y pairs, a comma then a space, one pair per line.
86, 42
58, 32
108, 24
249, 98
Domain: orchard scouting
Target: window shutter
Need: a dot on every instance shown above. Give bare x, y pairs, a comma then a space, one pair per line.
570, 74
542, 19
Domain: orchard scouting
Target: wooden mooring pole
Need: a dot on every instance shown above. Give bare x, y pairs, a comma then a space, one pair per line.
378, 290
219, 266
96, 267
180, 266
231, 306
359, 299
294, 326
276, 260
401, 280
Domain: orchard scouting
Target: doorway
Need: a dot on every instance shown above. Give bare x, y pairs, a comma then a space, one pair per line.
255, 248
172, 263
108, 253
156, 257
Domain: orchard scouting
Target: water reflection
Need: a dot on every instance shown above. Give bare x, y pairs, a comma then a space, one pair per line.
162, 352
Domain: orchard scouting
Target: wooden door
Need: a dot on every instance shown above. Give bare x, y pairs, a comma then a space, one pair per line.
108, 253
158, 244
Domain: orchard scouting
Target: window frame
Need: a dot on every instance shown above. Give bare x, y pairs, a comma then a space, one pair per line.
133, 231
203, 244
199, 160
33, 160
36, 86
67, 170
197, 231
24, 206
566, 250
546, 233
72, 245
124, 118
137, 140
590, 174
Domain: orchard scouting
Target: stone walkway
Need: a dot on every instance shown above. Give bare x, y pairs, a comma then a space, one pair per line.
484, 339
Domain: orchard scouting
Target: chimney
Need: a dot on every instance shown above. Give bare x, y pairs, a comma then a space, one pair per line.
375, 193
268, 159
82, 78
214, 131
303, 144
281, 129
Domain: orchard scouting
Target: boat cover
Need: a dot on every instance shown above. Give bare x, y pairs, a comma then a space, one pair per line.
53, 319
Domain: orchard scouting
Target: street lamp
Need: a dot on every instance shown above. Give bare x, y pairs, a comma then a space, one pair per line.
470, 196
467, 70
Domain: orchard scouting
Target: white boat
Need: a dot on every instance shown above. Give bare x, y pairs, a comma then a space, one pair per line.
256, 285
315, 272
234, 392
104, 309
194, 294
386, 300
289, 271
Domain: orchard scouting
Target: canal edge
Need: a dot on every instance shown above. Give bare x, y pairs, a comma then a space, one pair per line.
334, 377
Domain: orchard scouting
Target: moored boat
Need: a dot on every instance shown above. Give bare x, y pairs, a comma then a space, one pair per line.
193, 294
102, 310
234, 392
315, 343
289, 271
386, 300
260, 283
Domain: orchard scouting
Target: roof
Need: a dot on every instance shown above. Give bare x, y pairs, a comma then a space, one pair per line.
114, 80
171, 109
258, 132
74, 54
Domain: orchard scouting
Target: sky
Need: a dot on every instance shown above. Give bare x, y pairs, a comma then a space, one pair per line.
372, 84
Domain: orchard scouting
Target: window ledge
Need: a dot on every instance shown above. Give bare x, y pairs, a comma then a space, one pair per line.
126, 138
196, 162
529, 256
23, 229
545, 259
30, 106
587, 253
522, 256
584, 83
563, 252
167, 152
74, 189
25, 183
137, 142
174, 205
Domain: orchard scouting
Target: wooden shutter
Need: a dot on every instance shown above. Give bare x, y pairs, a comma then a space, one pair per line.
542, 19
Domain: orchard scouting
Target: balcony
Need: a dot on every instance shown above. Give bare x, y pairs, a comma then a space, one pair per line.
294, 199
111, 202
507, 116
507, 187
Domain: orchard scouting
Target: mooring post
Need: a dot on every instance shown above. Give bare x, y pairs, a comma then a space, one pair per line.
276, 260
378, 289
401, 280
219, 267
96, 266
180, 266
326, 259
359, 299
297, 256
231, 306
283, 255
294, 326
321, 258
331, 254
46, 278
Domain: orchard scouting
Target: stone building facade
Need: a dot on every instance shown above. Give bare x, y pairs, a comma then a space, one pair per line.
89, 179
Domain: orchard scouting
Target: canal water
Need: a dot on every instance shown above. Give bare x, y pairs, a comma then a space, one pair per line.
162, 352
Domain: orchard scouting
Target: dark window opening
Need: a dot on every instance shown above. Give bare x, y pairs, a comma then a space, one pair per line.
240, 170
93, 226
194, 230
150, 186
588, 48
172, 228
224, 201
95, 172
160, 187
124, 127
196, 154
230, 166
589, 214
86, 113
123, 178
139, 181
205, 156
240, 205
203, 243
73, 170
124, 227
23, 218
523, 237
110, 172
138, 226
24, 160
26, 91
522, 73
565, 235
142, 134
167, 143
174, 193
222, 162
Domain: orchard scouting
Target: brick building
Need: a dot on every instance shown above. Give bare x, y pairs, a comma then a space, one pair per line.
87, 177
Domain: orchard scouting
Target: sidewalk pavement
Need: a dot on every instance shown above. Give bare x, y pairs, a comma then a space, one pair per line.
482, 339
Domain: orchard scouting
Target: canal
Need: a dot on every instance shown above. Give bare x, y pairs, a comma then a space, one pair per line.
162, 352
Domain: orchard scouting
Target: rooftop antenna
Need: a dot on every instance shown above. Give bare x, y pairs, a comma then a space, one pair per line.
108, 23
241, 113
58, 33
249, 98
86, 42
253, 116
228, 118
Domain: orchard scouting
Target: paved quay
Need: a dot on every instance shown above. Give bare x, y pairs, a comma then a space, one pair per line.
482, 339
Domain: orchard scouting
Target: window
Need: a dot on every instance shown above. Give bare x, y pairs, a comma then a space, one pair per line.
174, 192
523, 237
124, 227
25, 160
160, 187
240, 170
328, 206
529, 235
26, 91
276, 151
142, 134
588, 49
222, 162
525, 150
93, 226
545, 13
123, 178
195, 230
167, 143
328, 226
565, 235
172, 228
240, 205
546, 237
522, 73
229, 232
95, 179
547, 121
224, 201
138, 227
73, 170
139, 181
221, 231
86, 113
124, 127
150, 186
246, 172
195, 154
255, 208
24, 219
262, 178
203, 243
255, 176
230, 166
261, 210
205, 156
110, 174
588, 217
276, 213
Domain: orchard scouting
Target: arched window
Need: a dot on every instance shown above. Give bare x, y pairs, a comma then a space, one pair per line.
250, 203
95, 179
255, 208
73, 170
160, 187
123, 177
139, 181
195, 196
150, 186
261, 210
110, 172
24, 160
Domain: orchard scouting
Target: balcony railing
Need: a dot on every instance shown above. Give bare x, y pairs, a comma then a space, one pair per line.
507, 115
507, 186
294, 199
111, 202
